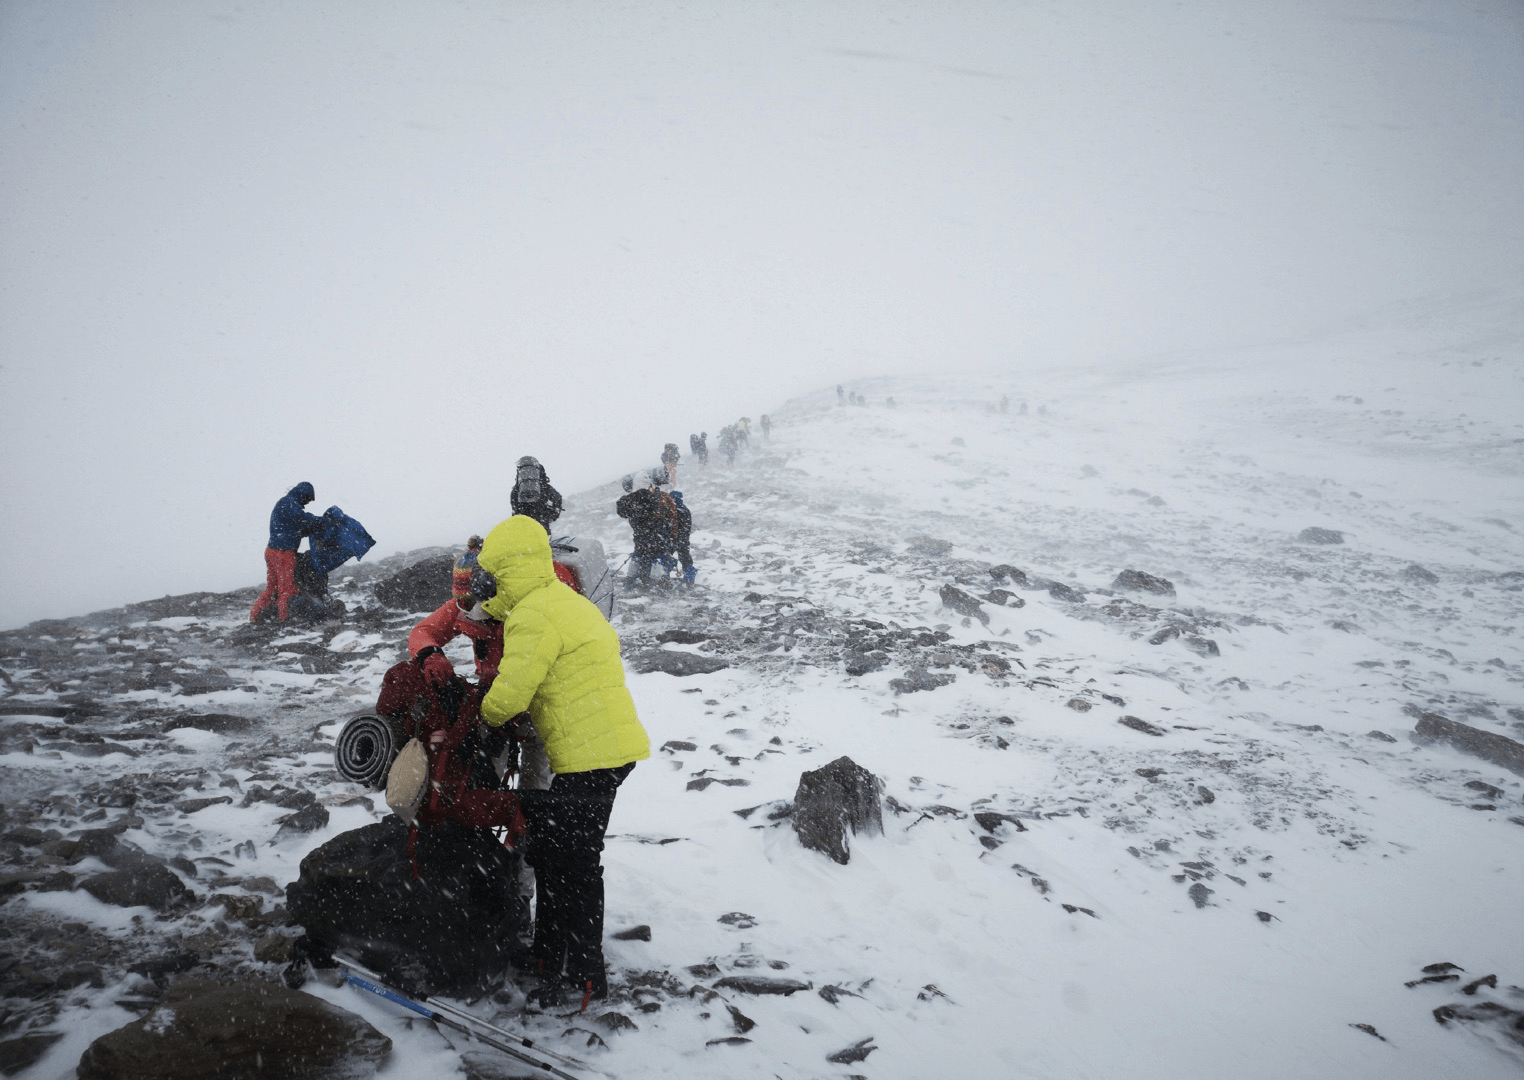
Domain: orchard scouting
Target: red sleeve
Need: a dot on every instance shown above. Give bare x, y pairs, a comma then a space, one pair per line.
436, 630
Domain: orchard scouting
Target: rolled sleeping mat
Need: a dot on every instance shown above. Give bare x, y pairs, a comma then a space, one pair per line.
365, 750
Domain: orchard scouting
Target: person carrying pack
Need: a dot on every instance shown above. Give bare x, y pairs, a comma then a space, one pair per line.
561, 663
532, 494
289, 522
669, 458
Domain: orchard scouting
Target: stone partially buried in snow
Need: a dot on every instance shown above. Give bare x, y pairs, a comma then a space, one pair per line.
835, 802
1315, 535
675, 662
762, 984
1418, 575
146, 884
929, 546
955, 599
1138, 581
1488, 745
245, 1028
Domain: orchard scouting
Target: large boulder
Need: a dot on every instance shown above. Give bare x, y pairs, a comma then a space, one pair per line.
146, 883
420, 587
955, 599
675, 662
447, 930
834, 803
1138, 581
1499, 749
236, 1030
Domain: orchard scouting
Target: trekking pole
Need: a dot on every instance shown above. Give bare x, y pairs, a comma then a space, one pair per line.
441, 1013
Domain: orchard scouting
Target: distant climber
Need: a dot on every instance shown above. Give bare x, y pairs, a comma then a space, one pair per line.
288, 524
743, 430
699, 445
841, 395
532, 494
728, 444
669, 459
767, 428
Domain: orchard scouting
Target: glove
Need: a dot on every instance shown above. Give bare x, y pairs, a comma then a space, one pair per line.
438, 670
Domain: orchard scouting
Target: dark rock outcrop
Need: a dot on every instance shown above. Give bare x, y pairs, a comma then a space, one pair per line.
1499, 749
418, 588
1138, 581
835, 802
1138, 724
1005, 572
145, 884
763, 984
675, 662
918, 678
446, 931
241, 1029
1420, 576
1315, 535
955, 599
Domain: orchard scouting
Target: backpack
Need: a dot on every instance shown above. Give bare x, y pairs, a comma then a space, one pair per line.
458, 782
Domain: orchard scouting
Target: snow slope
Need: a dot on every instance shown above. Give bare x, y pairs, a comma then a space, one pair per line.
1227, 888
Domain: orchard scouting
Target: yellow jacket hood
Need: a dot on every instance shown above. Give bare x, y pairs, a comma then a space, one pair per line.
517, 554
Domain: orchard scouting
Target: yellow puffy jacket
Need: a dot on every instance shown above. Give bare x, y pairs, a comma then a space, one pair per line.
560, 658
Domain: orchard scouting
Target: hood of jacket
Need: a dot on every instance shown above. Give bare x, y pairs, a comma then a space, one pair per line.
517, 555
304, 493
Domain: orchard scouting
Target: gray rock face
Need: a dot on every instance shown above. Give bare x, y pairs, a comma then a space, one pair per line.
955, 599
418, 588
929, 546
675, 662
1138, 581
834, 801
1069, 595
147, 884
763, 984
1490, 746
1006, 572
242, 1029
1420, 576
918, 678
1314, 535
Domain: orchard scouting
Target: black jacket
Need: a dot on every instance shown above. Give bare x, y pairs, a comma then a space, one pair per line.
653, 535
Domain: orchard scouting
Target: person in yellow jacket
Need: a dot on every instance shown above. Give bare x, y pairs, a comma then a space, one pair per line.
561, 665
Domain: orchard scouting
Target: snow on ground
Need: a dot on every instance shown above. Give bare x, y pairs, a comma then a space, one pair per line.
1230, 885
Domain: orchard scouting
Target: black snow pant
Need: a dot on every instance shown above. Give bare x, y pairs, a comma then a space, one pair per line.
566, 827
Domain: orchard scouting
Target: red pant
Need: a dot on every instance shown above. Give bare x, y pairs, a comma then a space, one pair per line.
280, 583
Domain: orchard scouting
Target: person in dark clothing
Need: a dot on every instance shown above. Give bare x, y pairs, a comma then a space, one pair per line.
729, 444
767, 427
532, 494
699, 444
682, 535
669, 458
651, 527
288, 524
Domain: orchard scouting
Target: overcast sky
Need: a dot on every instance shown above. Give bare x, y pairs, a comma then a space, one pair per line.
389, 247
